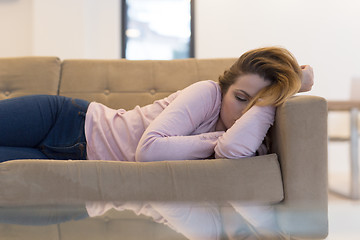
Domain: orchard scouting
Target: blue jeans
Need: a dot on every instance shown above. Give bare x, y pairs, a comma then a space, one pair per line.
42, 127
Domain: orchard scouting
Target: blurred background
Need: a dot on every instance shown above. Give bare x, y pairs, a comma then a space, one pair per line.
322, 33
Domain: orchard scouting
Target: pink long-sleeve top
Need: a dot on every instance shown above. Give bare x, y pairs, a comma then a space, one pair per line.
181, 126
178, 127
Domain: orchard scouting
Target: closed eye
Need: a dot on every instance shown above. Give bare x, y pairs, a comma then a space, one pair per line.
241, 95
241, 99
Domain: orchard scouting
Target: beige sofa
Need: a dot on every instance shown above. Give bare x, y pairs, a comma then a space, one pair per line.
293, 177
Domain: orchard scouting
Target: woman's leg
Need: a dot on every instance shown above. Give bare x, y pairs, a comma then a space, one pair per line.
66, 139
41, 215
10, 153
26, 121
53, 125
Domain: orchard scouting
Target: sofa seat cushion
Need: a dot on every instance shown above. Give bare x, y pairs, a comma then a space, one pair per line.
27, 182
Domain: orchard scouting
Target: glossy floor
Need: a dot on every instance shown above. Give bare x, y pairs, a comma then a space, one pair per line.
344, 214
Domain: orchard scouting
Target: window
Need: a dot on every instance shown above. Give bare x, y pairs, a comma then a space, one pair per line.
157, 29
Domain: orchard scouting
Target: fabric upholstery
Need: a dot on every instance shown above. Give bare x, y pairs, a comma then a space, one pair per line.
71, 182
125, 84
29, 75
300, 141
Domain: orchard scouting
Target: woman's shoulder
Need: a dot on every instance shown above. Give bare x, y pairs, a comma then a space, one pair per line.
203, 94
206, 84
205, 87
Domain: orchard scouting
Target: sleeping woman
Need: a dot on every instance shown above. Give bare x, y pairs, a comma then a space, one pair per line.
224, 119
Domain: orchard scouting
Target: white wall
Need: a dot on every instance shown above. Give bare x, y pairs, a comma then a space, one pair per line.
63, 28
102, 29
323, 33
77, 28
15, 28
58, 28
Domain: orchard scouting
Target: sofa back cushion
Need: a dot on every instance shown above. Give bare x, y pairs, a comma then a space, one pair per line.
127, 83
21, 76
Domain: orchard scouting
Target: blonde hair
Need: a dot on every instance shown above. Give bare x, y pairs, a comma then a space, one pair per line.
274, 64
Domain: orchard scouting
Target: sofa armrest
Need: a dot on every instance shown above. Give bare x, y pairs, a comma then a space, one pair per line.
299, 138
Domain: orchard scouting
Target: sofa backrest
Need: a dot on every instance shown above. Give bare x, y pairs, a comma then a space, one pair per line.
29, 75
125, 83
115, 83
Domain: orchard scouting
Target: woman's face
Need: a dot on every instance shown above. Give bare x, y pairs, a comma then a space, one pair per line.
237, 98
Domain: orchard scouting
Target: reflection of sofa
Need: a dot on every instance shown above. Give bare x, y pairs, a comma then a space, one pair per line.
297, 186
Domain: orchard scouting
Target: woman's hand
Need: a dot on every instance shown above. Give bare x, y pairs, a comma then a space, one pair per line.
307, 80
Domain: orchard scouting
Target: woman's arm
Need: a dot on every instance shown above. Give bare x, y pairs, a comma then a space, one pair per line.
247, 134
170, 135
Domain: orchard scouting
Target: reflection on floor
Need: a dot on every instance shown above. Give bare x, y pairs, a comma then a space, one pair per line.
344, 214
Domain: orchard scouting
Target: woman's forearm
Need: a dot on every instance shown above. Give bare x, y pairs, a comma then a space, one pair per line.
247, 134
158, 148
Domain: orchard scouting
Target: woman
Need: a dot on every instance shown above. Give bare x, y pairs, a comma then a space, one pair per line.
228, 119
191, 127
